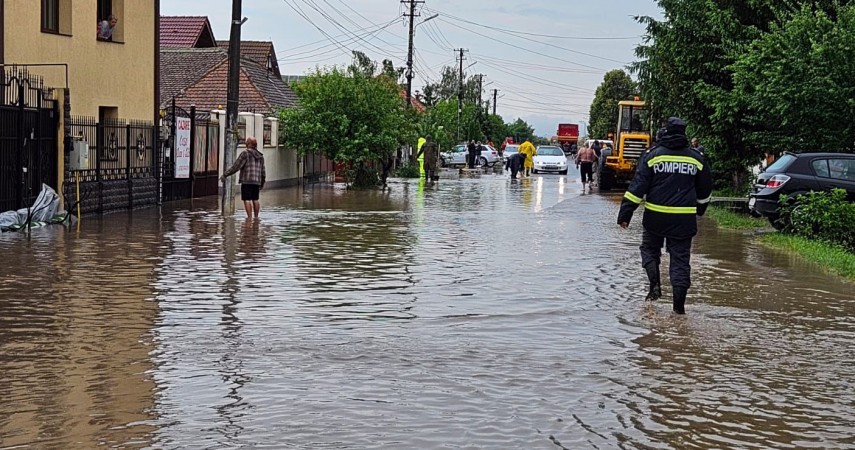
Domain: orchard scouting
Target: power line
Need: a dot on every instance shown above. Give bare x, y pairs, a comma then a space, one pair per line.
552, 36
537, 80
312, 54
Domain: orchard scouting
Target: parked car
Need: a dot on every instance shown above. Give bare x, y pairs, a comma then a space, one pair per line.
794, 174
457, 156
550, 158
509, 150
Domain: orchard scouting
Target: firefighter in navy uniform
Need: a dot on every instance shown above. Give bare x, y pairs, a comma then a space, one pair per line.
675, 184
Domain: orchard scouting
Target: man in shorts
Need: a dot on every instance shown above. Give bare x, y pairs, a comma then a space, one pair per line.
250, 163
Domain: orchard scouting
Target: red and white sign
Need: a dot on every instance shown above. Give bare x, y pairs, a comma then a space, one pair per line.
182, 147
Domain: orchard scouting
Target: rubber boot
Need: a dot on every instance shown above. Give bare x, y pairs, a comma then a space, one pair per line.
655, 292
680, 299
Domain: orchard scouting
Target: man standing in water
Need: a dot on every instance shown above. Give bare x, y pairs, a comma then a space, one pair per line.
431, 157
252, 176
675, 184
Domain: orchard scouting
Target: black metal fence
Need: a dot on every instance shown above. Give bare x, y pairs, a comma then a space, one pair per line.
28, 138
115, 162
204, 144
317, 168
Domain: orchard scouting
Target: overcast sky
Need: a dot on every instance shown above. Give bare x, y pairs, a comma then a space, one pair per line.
545, 80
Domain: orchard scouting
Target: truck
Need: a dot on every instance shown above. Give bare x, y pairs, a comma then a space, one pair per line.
568, 134
633, 138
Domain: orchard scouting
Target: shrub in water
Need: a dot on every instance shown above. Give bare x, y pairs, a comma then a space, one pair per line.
408, 171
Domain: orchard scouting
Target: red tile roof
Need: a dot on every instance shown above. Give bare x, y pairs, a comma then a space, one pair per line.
258, 51
186, 32
183, 76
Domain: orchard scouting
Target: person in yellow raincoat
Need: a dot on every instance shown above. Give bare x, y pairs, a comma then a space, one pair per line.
421, 157
528, 148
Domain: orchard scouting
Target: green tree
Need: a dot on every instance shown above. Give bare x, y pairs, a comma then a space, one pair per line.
448, 87
687, 69
796, 83
441, 122
520, 130
350, 116
616, 86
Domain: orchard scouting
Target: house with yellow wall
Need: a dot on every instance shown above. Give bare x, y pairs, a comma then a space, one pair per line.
99, 60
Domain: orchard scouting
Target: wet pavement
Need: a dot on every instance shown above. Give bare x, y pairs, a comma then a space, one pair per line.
481, 313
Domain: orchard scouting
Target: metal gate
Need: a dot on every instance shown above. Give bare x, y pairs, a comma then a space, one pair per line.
174, 186
28, 138
206, 158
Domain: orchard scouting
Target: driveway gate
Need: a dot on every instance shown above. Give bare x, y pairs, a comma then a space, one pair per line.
28, 138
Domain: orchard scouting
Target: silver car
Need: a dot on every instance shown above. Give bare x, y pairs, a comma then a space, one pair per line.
457, 156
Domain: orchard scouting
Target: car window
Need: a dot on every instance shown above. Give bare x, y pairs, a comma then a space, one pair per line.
820, 167
549, 151
459, 149
781, 164
842, 169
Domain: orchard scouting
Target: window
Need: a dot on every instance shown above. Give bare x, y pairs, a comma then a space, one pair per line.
241, 129
820, 167
842, 169
50, 16
267, 139
108, 20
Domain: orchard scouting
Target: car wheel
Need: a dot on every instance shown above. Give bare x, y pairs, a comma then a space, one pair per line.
776, 223
563, 172
442, 162
482, 161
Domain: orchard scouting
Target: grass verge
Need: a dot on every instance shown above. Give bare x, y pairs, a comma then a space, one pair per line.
728, 219
833, 258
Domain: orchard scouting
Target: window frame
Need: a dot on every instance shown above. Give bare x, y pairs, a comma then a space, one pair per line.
850, 177
816, 172
43, 17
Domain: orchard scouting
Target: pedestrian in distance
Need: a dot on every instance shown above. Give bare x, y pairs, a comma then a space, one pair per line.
479, 149
516, 164
253, 174
585, 160
470, 155
528, 149
430, 151
675, 185
696, 146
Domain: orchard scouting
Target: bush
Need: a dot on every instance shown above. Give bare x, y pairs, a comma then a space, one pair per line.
408, 171
824, 216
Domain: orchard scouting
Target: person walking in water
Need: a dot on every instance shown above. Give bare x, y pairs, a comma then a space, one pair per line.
250, 163
585, 159
675, 184
528, 149
430, 151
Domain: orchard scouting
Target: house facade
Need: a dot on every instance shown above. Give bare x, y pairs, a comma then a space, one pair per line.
108, 76
89, 69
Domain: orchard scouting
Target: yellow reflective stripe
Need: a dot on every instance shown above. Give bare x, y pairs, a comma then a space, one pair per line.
632, 197
706, 200
671, 209
675, 158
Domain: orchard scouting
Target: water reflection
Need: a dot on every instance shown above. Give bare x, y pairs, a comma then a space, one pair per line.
413, 317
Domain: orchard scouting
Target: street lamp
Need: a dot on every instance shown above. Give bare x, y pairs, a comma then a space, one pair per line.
429, 18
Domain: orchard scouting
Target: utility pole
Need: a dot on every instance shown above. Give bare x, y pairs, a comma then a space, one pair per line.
460, 94
412, 15
495, 97
480, 90
232, 108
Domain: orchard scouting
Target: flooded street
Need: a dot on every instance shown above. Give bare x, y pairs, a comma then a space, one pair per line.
481, 313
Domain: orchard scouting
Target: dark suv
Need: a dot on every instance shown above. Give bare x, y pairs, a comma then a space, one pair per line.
794, 174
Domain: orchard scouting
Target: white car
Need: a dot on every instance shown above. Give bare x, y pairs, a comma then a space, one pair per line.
457, 156
550, 158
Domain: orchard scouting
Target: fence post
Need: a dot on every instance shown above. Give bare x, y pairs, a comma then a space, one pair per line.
99, 142
192, 151
128, 164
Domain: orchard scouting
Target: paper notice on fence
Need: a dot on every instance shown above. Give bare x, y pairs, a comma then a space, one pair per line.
182, 147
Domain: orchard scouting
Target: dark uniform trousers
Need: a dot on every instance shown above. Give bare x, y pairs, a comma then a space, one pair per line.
680, 251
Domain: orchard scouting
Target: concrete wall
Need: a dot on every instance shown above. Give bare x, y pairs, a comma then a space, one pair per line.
111, 74
284, 166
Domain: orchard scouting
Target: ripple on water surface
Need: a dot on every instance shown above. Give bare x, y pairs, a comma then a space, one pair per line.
477, 313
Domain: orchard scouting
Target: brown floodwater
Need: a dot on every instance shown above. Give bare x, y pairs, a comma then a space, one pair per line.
479, 313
